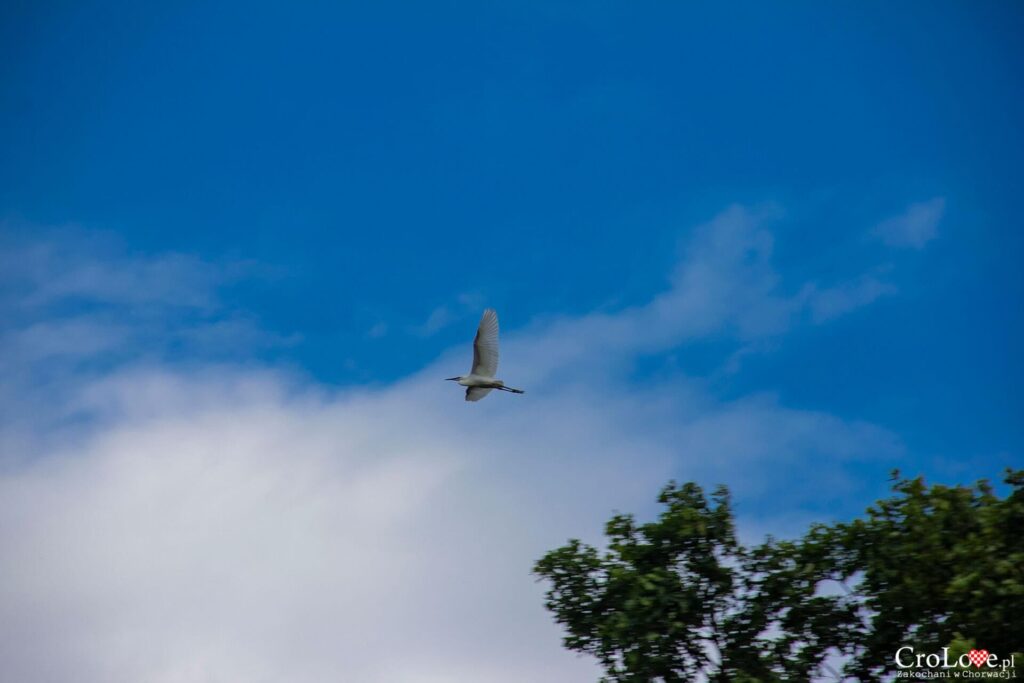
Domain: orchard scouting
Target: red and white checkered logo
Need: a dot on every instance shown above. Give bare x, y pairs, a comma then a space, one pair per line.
977, 657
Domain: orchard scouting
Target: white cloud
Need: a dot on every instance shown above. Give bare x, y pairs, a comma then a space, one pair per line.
223, 529
231, 527
915, 227
225, 524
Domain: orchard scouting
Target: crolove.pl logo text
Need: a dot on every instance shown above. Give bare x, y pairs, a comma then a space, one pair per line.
943, 665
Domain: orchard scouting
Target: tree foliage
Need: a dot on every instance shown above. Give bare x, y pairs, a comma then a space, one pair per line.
679, 598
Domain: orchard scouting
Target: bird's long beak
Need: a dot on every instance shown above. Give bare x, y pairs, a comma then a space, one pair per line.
451, 379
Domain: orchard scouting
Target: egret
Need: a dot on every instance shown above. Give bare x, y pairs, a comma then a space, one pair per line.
480, 380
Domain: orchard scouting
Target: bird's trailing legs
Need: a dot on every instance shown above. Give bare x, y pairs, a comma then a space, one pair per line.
510, 389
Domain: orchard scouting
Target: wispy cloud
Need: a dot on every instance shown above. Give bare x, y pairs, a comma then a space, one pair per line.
915, 227
73, 337
70, 285
725, 286
77, 306
68, 266
827, 304
444, 315
224, 523
378, 330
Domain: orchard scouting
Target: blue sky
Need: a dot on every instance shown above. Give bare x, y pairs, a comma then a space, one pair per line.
371, 157
712, 232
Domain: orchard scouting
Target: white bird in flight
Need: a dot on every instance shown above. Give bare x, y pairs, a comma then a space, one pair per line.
480, 379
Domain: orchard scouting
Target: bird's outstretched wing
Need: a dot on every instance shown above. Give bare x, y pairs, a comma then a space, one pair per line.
476, 393
485, 346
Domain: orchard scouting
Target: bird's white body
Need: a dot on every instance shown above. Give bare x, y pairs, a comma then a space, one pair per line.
481, 380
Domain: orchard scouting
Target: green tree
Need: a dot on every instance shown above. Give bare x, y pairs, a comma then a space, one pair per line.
679, 597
